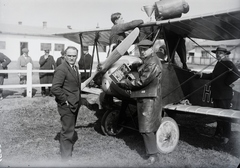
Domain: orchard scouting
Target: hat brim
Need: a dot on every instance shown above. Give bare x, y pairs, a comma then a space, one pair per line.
226, 52
144, 46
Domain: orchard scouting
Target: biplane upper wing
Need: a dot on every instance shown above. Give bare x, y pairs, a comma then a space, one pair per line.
89, 37
223, 25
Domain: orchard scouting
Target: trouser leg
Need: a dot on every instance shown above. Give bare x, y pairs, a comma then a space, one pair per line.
223, 127
150, 143
181, 50
68, 136
43, 91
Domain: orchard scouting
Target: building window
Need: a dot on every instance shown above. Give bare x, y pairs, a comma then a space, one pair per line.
59, 47
2, 45
46, 46
205, 54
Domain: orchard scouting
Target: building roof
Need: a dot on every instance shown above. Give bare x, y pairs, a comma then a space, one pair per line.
217, 43
30, 30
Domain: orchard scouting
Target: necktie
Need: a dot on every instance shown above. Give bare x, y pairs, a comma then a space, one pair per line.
73, 67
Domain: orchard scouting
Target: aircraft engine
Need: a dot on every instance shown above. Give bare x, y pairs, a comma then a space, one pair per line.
116, 73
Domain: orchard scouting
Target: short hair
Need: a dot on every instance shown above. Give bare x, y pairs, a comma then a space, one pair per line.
115, 16
71, 47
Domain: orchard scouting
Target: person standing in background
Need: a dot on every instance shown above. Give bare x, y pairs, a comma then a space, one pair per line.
66, 87
46, 62
222, 76
4, 61
85, 63
61, 58
23, 60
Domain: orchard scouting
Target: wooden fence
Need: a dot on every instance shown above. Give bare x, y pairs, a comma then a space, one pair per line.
29, 85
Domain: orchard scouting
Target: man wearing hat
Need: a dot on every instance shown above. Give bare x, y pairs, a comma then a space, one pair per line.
61, 58
85, 63
222, 76
46, 62
23, 60
147, 91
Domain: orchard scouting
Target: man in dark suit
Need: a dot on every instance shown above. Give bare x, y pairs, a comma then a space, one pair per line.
66, 87
85, 63
223, 76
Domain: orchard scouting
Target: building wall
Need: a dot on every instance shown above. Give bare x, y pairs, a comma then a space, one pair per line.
12, 46
12, 49
199, 59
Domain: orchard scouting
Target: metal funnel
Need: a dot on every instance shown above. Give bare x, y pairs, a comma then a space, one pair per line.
149, 9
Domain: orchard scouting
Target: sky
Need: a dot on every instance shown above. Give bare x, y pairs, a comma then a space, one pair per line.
87, 14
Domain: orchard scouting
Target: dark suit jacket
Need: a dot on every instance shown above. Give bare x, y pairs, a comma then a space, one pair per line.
222, 79
66, 86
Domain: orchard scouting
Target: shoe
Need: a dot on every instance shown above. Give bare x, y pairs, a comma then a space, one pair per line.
152, 159
57, 137
221, 139
224, 140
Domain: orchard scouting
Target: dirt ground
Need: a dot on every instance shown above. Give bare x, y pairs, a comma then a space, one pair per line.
28, 127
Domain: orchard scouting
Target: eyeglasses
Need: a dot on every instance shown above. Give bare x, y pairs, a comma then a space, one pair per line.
74, 56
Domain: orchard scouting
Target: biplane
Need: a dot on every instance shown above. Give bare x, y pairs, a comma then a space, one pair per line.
182, 92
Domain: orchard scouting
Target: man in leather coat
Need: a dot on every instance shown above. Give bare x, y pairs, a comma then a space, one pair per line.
147, 90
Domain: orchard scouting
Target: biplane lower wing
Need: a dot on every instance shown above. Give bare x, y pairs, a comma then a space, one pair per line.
218, 112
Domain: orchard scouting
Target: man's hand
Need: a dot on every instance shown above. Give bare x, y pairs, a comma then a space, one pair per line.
197, 75
125, 84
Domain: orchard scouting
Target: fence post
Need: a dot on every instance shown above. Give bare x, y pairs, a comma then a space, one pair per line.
29, 80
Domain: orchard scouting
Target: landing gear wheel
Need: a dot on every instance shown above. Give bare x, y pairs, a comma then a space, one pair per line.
167, 135
109, 123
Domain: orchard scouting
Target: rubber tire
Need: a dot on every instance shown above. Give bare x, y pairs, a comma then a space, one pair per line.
167, 135
108, 123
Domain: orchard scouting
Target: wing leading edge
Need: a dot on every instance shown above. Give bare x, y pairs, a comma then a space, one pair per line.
227, 113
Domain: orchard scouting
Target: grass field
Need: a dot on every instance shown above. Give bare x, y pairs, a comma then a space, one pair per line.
28, 127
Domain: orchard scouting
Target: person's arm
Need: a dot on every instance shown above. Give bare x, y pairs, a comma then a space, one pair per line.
128, 26
42, 61
148, 74
6, 61
53, 63
57, 83
233, 75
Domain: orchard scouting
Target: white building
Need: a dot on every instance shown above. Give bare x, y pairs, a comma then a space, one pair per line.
15, 37
202, 54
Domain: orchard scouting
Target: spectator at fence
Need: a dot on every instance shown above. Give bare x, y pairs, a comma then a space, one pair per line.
85, 63
4, 61
23, 60
66, 86
46, 62
61, 58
